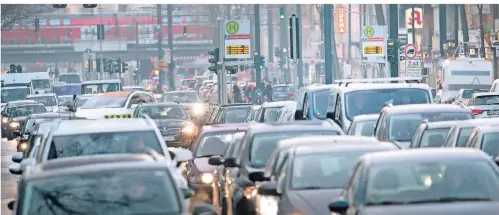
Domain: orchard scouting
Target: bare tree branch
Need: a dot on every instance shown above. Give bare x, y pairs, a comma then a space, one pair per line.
15, 13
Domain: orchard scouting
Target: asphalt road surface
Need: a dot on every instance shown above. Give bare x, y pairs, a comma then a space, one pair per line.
9, 190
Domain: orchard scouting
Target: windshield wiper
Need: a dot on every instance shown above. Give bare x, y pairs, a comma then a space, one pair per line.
204, 156
311, 188
386, 203
451, 199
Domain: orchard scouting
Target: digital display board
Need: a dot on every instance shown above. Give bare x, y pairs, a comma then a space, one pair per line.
373, 50
237, 49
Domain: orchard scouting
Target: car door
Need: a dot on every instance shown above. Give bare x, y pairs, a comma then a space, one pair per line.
354, 189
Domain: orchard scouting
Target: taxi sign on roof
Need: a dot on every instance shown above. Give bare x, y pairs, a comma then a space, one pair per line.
117, 94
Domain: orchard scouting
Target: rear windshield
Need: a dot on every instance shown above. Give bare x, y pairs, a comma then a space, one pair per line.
434, 137
463, 136
487, 100
467, 94
279, 89
490, 144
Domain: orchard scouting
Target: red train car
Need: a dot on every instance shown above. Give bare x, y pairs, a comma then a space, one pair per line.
58, 29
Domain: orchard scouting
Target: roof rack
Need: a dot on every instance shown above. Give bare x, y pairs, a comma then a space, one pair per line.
374, 80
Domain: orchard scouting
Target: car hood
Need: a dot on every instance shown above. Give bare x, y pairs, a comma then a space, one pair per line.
313, 201
201, 164
458, 208
169, 123
100, 112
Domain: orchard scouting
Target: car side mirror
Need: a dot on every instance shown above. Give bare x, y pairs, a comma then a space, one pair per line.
16, 133
17, 157
330, 115
215, 160
71, 108
188, 193
204, 209
339, 206
181, 154
268, 189
15, 169
11, 204
299, 115
230, 162
256, 176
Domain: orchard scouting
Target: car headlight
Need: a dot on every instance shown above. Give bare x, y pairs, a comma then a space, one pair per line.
14, 124
250, 192
198, 109
23, 146
207, 178
189, 129
267, 205
5, 119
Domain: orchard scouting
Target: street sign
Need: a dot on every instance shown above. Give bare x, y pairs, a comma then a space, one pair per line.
403, 39
237, 39
410, 51
413, 68
162, 64
374, 39
167, 56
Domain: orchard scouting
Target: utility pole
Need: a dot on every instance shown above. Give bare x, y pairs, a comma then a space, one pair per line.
171, 65
284, 40
328, 34
300, 45
101, 74
349, 27
442, 13
413, 32
256, 57
270, 30
159, 24
482, 36
495, 15
393, 35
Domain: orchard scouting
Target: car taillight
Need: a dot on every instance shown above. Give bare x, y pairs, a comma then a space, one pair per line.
291, 94
477, 111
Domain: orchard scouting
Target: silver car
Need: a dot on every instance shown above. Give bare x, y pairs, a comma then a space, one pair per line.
485, 105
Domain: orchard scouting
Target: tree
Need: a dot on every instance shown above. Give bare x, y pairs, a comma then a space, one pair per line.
16, 13
464, 28
482, 30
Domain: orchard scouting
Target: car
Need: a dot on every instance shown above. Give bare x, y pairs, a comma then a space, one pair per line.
257, 146
311, 176
119, 104
431, 134
463, 96
363, 125
306, 105
282, 92
14, 115
286, 114
147, 186
254, 112
485, 138
172, 121
459, 133
398, 123
10, 94
270, 110
49, 100
485, 105
422, 181
78, 102
69, 78
65, 101
212, 141
227, 114
100, 86
182, 97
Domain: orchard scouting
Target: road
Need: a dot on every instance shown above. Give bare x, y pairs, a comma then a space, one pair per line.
9, 190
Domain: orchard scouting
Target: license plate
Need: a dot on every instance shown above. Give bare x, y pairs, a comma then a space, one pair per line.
169, 138
493, 112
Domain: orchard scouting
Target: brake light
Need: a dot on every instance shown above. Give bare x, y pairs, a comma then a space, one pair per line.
477, 111
291, 94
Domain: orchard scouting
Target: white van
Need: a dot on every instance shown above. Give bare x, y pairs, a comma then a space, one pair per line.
38, 82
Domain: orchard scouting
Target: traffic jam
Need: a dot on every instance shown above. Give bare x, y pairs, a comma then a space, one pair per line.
357, 146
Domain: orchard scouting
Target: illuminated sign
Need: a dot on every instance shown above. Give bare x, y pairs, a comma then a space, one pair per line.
373, 50
340, 19
162, 64
237, 49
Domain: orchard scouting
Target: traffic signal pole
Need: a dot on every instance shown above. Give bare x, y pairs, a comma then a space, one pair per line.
256, 57
300, 60
328, 57
393, 35
159, 19
171, 66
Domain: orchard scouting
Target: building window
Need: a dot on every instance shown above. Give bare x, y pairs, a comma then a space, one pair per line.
41, 40
55, 40
3, 41
28, 40
14, 41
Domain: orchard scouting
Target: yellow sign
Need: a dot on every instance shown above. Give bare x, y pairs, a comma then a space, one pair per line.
232, 27
118, 116
373, 50
162, 64
237, 49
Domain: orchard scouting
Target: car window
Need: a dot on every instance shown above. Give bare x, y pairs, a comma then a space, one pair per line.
13, 94
26, 110
163, 112
463, 136
364, 128
434, 137
104, 101
100, 88
236, 115
490, 144
181, 97
270, 114
205, 146
487, 100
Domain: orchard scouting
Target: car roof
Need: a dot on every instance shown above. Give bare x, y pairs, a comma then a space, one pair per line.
279, 104
26, 101
115, 94
179, 91
476, 122
488, 128
72, 127
85, 96
16, 87
52, 115
325, 139
425, 155
40, 95
373, 86
486, 94
92, 159
421, 108
160, 104
102, 81
366, 117
441, 124
225, 127
236, 105
291, 126
63, 96
25, 104
281, 85
344, 147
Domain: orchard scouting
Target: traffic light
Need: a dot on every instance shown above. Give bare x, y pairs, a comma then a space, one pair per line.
124, 67
56, 72
185, 31
89, 6
262, 62
98, 64
108, 65
281, 12
116, 66
37, 25
231, 69
391, 50
277, 52
100, 32
151, 74
59, 5
214, 59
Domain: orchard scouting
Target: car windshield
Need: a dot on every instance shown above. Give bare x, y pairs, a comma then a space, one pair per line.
210, 143
163, 112
236, 115
270, 114
432, 182
62, 90
281, 89
188, 83
264, 144
45, 100
489, 144
467, 94
463, 136
487, 100
9, 95
181, 97
321, 107
403, 126
104, 143
133, 89
70, 78
26, 110
372, 101
323, 171
65, 100
116, 192
100, 88
434, 137
104, 101
40, 84
365, 128
81, 101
